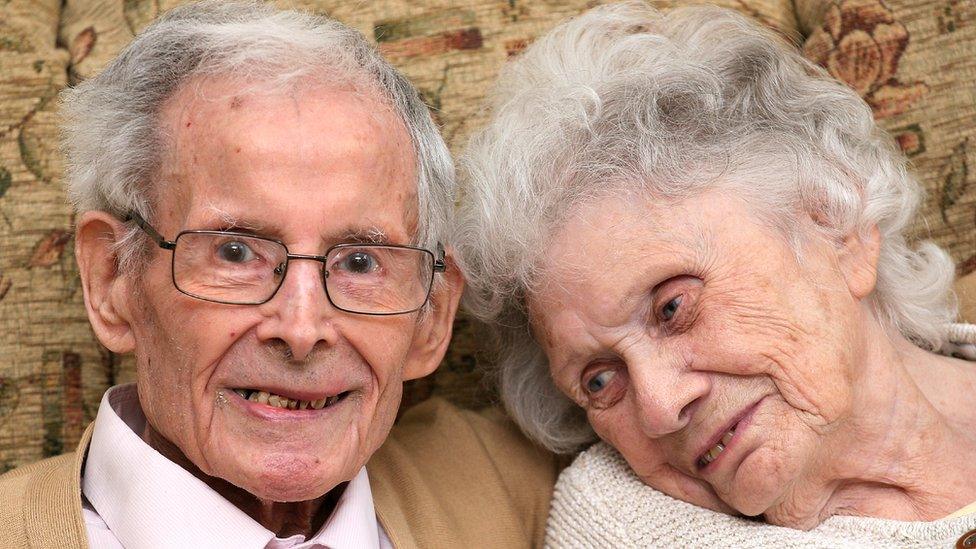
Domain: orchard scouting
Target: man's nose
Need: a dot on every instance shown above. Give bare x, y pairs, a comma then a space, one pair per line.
300, 314
667, 393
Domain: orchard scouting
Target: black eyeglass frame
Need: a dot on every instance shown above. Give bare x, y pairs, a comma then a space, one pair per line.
438, 263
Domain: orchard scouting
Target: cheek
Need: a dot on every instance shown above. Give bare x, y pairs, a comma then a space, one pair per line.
794, 335
168, 406
649, 460
180, 346
383, 346
619, 427
788, 448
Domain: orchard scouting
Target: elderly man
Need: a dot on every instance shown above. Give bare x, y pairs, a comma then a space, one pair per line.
263, 215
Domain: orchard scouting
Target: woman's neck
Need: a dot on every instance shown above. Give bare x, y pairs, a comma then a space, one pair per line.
903, 454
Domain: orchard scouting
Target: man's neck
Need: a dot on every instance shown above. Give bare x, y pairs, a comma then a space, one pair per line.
283, 518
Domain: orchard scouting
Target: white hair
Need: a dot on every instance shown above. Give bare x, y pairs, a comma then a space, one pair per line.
625, 99
112, 138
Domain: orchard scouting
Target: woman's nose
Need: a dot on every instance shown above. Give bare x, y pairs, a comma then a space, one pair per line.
667, 394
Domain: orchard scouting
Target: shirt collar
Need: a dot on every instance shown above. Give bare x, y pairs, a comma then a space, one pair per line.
148, 501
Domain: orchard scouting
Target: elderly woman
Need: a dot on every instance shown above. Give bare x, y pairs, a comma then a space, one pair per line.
690, 243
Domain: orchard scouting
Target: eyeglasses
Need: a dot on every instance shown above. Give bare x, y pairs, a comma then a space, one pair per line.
243, 269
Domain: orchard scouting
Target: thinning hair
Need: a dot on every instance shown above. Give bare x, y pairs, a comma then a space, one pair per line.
113, 141
626, 99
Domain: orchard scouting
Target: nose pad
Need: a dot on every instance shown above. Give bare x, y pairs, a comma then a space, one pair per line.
300, 314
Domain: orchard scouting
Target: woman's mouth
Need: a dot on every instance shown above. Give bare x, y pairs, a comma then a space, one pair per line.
712, 453
279, 401
728, 437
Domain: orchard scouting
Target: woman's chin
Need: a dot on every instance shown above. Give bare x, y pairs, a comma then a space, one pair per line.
760, 482
796, 522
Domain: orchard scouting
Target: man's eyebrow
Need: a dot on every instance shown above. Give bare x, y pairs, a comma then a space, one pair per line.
228, 220
362, 235
370, 234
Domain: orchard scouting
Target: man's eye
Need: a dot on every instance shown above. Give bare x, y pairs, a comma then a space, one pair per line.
235, 252
358, 263
670, 308
599, 382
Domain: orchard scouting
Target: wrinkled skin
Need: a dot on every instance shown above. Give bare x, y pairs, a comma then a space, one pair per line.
311, 167
672, 322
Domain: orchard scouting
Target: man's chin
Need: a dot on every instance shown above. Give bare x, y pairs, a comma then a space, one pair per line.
289, 478
277, 493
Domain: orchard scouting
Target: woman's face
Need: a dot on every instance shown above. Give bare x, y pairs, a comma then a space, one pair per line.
720, 366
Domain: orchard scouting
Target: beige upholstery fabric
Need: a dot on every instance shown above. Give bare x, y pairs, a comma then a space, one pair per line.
913, 60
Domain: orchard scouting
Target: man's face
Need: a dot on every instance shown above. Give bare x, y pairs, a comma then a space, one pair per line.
312, 169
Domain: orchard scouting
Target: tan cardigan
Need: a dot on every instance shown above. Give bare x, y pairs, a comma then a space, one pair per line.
446, 477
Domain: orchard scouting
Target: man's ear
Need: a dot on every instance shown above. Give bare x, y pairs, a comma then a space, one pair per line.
106, 292
433, 334
858, 258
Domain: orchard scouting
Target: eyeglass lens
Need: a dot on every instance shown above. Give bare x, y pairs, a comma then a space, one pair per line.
238, 269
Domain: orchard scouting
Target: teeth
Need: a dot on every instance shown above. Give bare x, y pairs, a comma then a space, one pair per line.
279, 401
714, 451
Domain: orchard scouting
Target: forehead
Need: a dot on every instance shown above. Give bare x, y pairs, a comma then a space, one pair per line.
601, 265
607, 241
310, 152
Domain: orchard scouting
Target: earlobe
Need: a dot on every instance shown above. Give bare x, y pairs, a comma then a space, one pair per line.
859, 262
106, 298
434, 333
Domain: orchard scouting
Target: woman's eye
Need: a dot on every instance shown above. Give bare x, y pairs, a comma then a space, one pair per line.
358, 263
598, 382
670, 308
235, 252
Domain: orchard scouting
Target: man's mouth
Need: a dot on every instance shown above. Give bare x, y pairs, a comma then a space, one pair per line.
279, 401
712, 453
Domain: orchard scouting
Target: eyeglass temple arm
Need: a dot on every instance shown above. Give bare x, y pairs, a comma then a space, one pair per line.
439, 265
158, 238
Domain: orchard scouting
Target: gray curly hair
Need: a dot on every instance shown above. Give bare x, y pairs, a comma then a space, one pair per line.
113, 142
625, 99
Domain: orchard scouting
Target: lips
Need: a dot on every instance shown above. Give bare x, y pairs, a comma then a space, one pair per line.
712, 453
280, 401
725, 437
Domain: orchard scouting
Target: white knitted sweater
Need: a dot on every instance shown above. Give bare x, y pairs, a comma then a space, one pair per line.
599, 502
